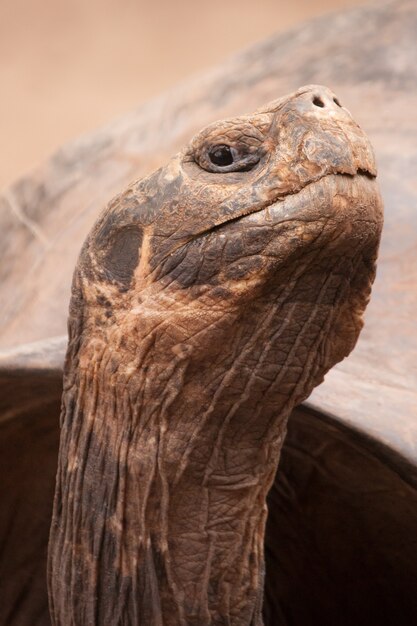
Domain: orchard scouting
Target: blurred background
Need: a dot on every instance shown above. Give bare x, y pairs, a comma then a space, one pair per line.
67, 66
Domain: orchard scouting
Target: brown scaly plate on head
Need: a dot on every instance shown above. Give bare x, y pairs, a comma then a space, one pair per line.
208, 301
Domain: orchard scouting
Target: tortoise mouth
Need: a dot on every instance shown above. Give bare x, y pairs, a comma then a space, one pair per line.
360, 173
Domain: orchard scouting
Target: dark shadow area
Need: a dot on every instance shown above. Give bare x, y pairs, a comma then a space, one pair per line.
341, 541
29, 438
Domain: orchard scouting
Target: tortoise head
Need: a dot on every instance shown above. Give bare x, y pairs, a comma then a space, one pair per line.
208, 300
275, 208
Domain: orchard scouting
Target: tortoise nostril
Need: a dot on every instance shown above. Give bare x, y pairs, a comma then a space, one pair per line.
321, 102
318, 102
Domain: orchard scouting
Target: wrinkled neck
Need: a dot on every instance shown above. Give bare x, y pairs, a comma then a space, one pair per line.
162, 500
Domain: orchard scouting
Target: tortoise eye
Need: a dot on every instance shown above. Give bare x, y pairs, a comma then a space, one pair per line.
221, 155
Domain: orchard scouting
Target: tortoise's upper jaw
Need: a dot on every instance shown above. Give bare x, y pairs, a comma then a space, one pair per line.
334, 141
285, 146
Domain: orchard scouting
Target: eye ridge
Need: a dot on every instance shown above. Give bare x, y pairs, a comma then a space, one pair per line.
221, 155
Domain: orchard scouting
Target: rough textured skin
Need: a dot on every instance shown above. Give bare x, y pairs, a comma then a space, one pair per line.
207, 302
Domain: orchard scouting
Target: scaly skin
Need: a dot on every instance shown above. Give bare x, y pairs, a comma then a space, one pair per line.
205, 306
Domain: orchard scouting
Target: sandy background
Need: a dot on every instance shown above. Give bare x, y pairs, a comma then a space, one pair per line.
69, 66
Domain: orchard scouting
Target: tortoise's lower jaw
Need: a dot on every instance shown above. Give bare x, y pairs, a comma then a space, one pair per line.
286, 208
341, 198
336, 215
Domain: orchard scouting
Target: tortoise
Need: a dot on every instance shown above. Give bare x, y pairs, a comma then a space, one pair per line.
347, 474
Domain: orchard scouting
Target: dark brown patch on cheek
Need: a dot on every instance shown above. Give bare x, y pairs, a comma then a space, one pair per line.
122, 257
